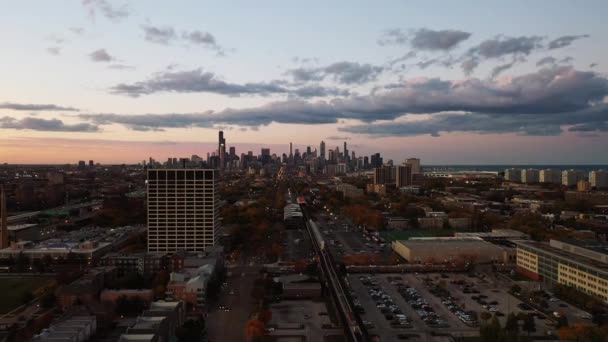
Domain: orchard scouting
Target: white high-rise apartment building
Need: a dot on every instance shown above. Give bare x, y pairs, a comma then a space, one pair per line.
571, 177
182, 209
598, 179
529, 176
513, 175
550, 176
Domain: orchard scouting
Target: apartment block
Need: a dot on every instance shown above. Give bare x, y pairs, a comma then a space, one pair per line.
182, 209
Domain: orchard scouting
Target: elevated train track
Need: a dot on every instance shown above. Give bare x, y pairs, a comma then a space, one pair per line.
354, 329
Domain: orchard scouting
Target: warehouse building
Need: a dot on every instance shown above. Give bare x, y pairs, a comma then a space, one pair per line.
453, 250
582, 264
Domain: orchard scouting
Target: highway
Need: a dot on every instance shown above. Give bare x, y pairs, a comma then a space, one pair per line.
25, 216
353, 327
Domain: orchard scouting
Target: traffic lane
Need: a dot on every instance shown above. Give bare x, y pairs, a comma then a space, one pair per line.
230, 325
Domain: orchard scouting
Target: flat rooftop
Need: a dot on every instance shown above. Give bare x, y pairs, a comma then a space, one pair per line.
572, 257
593, 245
17, 227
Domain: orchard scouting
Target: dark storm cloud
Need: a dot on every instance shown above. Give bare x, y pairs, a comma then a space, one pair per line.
49, 125
101, 55
159, 35
555, 96
106, 9
34, 107
564, 41
200, 81
341, 72
425, 39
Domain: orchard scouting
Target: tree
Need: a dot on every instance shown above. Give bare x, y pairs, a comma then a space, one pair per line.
38, 266
254, 329
490, 332
529, 324
26, 297
129, 306
562, 321
485, 316
512, 324
192, 331
265, 316
48, 300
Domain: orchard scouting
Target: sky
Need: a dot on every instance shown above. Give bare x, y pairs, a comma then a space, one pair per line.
475, 82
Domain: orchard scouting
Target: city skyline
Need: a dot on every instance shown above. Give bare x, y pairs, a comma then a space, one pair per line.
123, 81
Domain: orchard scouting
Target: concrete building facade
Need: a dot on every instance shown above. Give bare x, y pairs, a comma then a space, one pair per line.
182, 209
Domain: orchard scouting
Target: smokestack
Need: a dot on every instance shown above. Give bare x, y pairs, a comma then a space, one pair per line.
3, 219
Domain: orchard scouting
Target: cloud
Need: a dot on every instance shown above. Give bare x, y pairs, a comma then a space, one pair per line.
469, 65
200, 81
564, 41
166, 35
592, 65
337, 137
341, 72
121, 67
194, 81
159, 35
425, 39
34, 107
409, 55
77, 30
546, 60
523, 101
506, 46
54, 50
498, 48
204, 39
594, 119
499, 69
101, 55
106, 9
49, 125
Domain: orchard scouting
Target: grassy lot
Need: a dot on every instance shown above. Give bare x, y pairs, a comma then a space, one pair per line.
406, 234
12, 290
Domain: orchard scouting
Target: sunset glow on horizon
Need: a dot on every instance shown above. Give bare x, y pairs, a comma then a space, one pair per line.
121, 81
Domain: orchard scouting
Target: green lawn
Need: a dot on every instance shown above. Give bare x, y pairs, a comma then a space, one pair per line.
406, 234
12, 290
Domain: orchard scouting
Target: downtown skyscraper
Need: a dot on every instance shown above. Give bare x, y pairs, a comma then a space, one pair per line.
221, 150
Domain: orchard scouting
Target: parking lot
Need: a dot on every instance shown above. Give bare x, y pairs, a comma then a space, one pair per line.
394, 309
442, 303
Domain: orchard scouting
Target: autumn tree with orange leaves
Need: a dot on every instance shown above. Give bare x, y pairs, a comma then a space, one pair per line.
254, 330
